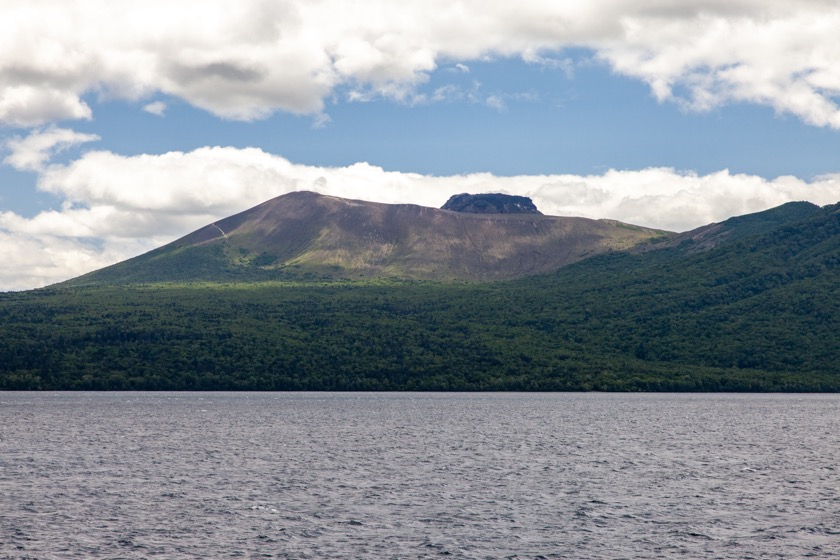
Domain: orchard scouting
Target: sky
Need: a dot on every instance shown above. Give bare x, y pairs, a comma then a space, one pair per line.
125, 125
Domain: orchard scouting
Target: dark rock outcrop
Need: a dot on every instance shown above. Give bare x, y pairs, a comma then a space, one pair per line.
490, 204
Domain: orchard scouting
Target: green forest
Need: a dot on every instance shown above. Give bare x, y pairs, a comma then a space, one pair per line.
760, 313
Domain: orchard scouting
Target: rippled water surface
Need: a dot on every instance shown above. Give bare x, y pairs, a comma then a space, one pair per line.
314, 475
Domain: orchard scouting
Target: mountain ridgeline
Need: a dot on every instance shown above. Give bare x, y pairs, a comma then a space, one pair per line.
307, 235
308, 292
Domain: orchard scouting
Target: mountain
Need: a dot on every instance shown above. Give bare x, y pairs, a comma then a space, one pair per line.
740, 227
750, 304
304, 234
761, 303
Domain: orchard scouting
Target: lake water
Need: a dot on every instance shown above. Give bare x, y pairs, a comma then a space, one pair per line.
408, 475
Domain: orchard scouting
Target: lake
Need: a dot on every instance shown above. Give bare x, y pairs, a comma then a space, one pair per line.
418, 475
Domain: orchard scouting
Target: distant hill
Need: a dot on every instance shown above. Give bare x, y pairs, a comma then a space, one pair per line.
750, 304
304, 234
740, 227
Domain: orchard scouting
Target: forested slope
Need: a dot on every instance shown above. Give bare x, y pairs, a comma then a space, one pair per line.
760, 313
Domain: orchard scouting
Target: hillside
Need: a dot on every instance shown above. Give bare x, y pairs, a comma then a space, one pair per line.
741, 227
307, 235
757, 311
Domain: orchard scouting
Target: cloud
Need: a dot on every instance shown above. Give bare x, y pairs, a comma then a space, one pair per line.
676, 201
118, 206
565, 65
155, 108
33, 261
33, 151
774, 54
499, 101
496, 102
31, 105
247, 59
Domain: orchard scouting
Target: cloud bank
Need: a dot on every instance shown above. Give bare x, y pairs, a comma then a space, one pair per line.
246, 59
119, 206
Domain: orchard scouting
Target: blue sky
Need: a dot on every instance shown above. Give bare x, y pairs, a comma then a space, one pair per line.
119, 137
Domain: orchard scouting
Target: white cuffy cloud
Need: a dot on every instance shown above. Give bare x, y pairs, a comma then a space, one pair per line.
32, 152
246, 59
155, 108
119, 206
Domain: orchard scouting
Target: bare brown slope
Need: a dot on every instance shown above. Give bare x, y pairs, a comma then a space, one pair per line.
356, 238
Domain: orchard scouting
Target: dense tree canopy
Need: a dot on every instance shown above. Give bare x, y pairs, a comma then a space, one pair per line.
757, 314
